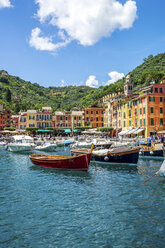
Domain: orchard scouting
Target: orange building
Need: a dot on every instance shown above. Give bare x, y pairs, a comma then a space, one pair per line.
149, 109
94, 116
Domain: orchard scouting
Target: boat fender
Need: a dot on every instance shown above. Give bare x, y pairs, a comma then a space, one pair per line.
6, 147
151, 152
106, 158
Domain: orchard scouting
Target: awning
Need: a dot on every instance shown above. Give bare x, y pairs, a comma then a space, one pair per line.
44, 130
124, 131
133, 131
138, 131
163, 132
67, 131
77, 131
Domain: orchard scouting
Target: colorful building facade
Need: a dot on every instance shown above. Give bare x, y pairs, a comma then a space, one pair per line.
144, 110
68, 119
5, 117
94, 116
15, 121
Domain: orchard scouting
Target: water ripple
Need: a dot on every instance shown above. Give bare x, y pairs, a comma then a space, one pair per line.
108, 206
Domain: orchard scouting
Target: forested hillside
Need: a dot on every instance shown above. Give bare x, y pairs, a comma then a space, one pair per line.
18, 94
153, 68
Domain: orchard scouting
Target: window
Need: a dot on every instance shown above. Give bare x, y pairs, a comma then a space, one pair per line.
152, 121
87, 119
151, 98
160, 90
136, 122
151, 110
31, 125
79, 118
60, 118
87, 112
124, 123
124, 115
97, 124
140, 111
161, 99
129, 123
135, 111
140, 122
91, 118
161, 110
31, 117
156, 90
144, 110
97, 112
102, 119
161, 121
66, 118
75, 118
129, 113
144, 122
91, 112
97, 118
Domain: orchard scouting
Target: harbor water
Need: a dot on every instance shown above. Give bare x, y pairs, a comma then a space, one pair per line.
108, 206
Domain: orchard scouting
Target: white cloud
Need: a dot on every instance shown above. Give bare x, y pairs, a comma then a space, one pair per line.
45, 43
92, 82
115, 76
5, 4
87, 21
63, 83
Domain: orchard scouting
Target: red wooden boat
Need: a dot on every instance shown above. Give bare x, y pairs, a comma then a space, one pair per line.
80, 162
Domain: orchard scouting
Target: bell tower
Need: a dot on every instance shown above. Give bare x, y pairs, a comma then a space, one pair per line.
128, 86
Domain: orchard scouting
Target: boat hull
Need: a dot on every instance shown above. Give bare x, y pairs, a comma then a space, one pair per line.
154, 151
130, 158
19, 148
57, 162
46, 148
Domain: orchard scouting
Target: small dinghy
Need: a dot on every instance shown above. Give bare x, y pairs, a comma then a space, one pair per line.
80, 162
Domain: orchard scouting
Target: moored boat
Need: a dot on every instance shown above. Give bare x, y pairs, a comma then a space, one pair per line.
46, 147
20, 143
155, 150
80, 162
124, 155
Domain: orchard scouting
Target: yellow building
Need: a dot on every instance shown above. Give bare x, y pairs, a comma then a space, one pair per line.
31, 118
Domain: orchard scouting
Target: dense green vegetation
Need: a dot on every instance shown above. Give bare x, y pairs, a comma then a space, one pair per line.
153, 68
18, 94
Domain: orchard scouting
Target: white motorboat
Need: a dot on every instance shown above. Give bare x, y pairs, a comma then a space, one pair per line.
2, 144
46, 147
82, 144
20, 143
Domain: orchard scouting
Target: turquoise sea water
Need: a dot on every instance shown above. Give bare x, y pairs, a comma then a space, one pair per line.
104, 207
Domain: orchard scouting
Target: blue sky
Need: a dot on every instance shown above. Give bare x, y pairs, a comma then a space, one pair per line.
78, 42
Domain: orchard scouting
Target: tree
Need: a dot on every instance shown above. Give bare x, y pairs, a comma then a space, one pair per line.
8, 95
